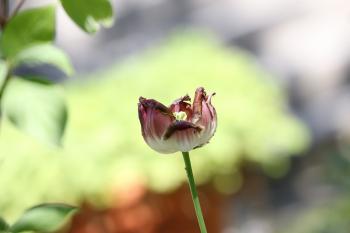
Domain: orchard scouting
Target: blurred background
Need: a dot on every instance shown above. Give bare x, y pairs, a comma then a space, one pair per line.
280, 159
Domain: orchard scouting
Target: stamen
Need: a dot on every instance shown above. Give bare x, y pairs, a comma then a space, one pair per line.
180, 116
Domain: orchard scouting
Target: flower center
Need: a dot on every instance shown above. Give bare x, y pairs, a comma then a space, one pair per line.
180, 116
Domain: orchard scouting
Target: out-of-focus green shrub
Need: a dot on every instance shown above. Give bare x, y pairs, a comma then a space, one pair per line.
332, 217
104, 148
333, 214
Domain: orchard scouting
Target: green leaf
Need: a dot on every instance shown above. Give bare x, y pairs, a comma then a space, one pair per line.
36, 109
41, 79
89, 14
3, 225
44, 218
27, 28
44, 54
3, 71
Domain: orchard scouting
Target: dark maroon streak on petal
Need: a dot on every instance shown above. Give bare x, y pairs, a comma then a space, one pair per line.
154, 104
199, 146
179, 126
182, 99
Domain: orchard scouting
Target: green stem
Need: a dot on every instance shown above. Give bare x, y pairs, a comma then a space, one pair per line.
3, 87
17, 8
195, 198
4, 10
4, 84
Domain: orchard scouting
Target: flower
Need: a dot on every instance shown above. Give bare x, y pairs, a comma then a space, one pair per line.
179, 127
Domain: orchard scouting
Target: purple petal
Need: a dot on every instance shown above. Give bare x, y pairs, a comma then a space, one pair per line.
182, 105
183, 135
154, 118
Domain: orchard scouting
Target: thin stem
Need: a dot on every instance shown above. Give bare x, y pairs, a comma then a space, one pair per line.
18, 7
3, 87
195, 198
4, 84
4, 10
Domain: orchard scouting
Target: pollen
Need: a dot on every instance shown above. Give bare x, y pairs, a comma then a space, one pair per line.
180, 116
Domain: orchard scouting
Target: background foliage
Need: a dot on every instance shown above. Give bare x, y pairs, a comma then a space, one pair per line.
104, 148
28, 99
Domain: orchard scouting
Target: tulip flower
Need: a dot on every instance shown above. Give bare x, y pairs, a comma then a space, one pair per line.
180, 127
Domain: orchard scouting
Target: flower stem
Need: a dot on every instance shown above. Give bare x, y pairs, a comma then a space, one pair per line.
195, 198
17, 8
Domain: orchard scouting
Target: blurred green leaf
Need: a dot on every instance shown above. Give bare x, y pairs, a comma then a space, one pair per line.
27, 28
40, 79
44, 54
89, 14
37, 109
330, 217
3, 225
43, 218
